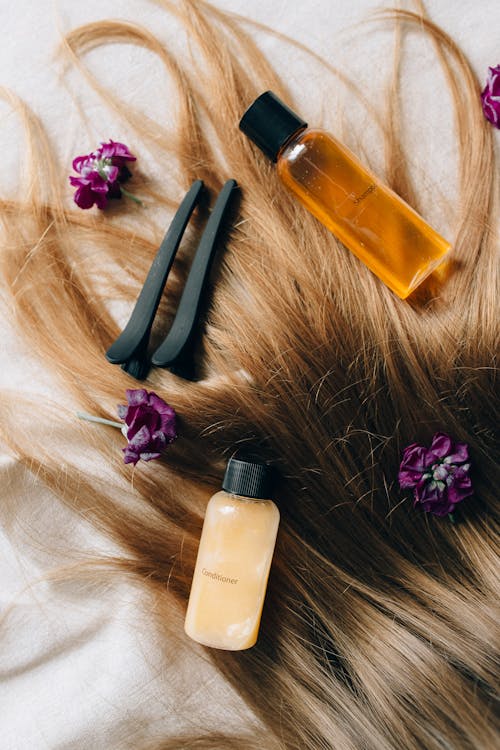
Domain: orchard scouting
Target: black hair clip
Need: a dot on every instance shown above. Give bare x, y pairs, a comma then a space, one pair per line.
130, 349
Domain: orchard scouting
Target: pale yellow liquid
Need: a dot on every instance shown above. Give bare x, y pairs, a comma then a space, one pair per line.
231, 572
369, 218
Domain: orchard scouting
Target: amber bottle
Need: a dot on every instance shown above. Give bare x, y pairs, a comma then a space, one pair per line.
367, 216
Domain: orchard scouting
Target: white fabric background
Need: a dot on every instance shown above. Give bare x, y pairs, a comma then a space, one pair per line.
80, 667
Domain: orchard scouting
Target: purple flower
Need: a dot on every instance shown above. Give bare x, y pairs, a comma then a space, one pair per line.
101, 174
490, 96
150, 425
439, 475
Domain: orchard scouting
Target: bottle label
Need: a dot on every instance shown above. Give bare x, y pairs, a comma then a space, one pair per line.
218, 577
357, 200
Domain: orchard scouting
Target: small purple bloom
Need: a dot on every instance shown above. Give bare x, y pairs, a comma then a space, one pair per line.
150, 425
439, 475
490, 96
101, 174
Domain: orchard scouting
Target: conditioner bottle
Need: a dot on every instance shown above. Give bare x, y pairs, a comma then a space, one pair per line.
234, 558
367, 216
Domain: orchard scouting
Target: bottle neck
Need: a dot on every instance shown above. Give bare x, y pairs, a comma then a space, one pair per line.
245, 498
289, 141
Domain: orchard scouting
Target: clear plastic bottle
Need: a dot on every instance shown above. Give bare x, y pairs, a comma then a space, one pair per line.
234, 559
368, 217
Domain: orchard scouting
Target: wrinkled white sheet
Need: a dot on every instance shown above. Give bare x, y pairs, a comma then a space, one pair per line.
80, 666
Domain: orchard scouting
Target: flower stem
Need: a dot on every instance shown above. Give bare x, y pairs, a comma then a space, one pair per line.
129, 195
451, 517
90, 418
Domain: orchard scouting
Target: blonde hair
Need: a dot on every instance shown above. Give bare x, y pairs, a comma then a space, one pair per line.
379, 629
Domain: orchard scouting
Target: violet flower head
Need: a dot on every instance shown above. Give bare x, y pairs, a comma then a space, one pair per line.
490, 96
150, 425
101, 174
439, 475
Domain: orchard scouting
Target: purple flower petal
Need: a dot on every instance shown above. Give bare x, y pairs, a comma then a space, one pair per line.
149, 456
137, 397
159, 404
158, 441
84, 197
459, 454
97, 183
141, 439
426, 491
79, 162
437, 508
415, 462
101, 201
130, 456
416, 457
116, 151
441, 444
457, 493
78, 181
460, 472
408, 478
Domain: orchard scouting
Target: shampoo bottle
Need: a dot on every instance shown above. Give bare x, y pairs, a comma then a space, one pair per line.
234, 558
368, 217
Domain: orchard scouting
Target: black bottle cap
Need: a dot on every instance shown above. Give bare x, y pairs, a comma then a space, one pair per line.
248, 477
269, 123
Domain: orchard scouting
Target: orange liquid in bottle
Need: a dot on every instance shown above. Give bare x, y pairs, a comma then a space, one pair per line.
369, 218
234, 559
232, 568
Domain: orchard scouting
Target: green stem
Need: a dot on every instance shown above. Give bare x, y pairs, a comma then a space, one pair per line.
451, 517
129, 195
90, 418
